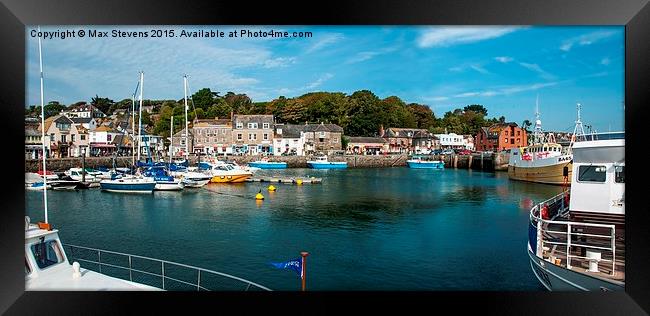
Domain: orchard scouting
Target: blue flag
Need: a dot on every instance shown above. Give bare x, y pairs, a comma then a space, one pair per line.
295, 265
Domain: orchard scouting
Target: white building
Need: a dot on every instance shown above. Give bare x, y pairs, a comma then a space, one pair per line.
84, 110
468, 142
451, 140
288, 140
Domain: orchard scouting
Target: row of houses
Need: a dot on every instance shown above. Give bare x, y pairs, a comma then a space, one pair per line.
85, 130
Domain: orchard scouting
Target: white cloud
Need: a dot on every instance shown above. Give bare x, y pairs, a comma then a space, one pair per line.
319, 81
476, 67
324, 40
536, 68
585, 39
503, 59
503, 90
605, 61
279, 62
453, 35
363, 56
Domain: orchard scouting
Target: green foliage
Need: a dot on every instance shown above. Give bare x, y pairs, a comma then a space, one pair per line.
51, 109
103, 104
477, 108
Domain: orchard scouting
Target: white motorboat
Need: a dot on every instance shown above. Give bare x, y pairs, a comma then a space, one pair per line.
576, 240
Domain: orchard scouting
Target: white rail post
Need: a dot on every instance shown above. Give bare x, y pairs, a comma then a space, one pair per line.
198, 282
163, 274
613, 250
130, 269
539, 239
568, 247
99, 255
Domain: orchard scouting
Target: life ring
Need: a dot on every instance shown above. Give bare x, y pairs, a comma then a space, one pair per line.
544, 212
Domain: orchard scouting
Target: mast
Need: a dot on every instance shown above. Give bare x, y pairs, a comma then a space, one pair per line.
171, 139
537, 136
133, 125
186, 123
40, 61
140, 112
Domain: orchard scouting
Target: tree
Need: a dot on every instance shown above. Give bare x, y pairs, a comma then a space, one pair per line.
103, 104
476, 108
53, 108
424, 117
525, 125
205, 98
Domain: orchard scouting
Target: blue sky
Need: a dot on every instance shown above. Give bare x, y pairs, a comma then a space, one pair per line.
445, 67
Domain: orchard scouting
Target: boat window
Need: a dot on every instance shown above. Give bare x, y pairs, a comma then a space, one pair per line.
620, 174
592, 173
47, 253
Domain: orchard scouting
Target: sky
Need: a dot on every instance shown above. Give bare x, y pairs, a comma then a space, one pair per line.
505, 68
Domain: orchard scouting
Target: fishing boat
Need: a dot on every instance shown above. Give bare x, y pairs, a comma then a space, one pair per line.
545, 160
48, 174
418, 163
576, 239
266, 164
321, 162
225, 173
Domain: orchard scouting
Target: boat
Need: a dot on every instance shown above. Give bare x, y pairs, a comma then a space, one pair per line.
36, 186
576, 239
266, 164
545, 161
128, 185
418, 163
321, 162
48, 174
34, 181
65, 182
87, 176
225, 173
164, 181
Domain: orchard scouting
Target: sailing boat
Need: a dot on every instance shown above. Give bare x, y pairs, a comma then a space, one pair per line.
135, 184
545, 161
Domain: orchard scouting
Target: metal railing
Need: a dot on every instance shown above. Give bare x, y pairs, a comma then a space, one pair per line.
547, 231
601, 136
195, 283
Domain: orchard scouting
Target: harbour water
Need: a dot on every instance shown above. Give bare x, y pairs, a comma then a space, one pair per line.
365, 229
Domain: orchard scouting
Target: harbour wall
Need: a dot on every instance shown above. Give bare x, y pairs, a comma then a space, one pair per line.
486, 162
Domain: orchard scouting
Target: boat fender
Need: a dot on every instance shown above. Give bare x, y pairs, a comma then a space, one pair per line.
544, 212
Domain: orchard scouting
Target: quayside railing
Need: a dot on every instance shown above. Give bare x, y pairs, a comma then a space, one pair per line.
163, 274
568, 235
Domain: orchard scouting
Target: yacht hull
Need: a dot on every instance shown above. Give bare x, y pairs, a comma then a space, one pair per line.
229, 178
327, 165
127, 187
426, 164
268, 165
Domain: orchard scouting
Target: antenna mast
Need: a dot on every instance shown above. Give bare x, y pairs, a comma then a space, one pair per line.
578, 130
186, 123
538, 136
140, 112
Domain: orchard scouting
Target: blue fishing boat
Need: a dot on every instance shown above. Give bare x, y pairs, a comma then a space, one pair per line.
418, 163
265, 164
322, 163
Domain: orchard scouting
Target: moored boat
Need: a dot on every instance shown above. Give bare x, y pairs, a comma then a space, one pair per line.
576, 240
419, 163
321, 162
545, 161
266, 164
128, 185
164, 181
225, 173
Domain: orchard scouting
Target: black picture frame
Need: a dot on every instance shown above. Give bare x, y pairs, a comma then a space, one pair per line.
634, 14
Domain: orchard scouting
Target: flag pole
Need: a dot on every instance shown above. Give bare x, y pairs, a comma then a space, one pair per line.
304, 255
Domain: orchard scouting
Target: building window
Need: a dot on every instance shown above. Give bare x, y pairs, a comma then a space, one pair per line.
266, 126
72, 137
109, 137
518, 133
239, 136
252, 136
506, 140
63, 138
266, 136
252, 125
592, 173
240, 125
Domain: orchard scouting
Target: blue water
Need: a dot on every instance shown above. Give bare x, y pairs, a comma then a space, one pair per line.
365, 229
